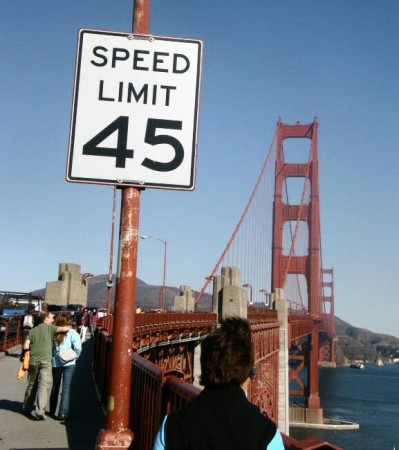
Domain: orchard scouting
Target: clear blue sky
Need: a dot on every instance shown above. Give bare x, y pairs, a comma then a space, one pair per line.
337, 60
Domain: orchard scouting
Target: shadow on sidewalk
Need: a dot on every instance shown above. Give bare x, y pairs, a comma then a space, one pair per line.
86, 415
12, 405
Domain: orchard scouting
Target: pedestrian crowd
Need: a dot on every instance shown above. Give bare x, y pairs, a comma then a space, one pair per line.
51, 347
220, 417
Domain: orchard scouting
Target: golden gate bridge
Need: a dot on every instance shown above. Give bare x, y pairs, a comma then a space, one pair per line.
271, 272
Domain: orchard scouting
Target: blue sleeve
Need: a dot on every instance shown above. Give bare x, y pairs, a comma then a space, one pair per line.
76, 342
276, 443
159, 443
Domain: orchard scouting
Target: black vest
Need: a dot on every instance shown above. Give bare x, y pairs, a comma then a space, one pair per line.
219, 419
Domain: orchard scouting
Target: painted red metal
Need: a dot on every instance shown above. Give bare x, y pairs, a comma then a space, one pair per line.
10, 333
141, 17
118, 435
261, 314
146, 401
150, 378
157, 392
299, 326
263, 390
311, 443
309, 265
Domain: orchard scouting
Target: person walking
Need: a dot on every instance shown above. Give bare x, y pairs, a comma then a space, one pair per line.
221, 417
63, 370
83, 323
94, 318
40, 344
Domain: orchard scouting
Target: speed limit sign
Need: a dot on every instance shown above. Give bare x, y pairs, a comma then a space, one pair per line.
135, 111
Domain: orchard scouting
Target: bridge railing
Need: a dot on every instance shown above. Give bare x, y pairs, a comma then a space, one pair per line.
263, 391
299, 326
10, 331
156, 392
261, 314
155, 321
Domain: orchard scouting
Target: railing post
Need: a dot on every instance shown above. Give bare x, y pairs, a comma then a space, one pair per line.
6, 332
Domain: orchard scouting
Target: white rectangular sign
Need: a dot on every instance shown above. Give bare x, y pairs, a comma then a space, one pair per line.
135, 111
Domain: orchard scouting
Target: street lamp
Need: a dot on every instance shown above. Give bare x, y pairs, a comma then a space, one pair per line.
247, 285
163, 292
110, 283
267, 296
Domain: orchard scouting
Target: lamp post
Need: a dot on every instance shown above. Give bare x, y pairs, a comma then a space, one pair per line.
110, 283
163, 292
247, 285
267, 296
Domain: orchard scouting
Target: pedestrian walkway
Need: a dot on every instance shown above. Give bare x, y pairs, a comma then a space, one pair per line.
86, 415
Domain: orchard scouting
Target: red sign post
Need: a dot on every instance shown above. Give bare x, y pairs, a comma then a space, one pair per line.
117, 435
134, 125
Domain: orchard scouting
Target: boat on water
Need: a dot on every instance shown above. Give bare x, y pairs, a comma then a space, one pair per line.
378, 362
357, 365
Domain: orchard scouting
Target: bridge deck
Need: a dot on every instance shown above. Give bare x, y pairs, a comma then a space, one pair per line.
18, 432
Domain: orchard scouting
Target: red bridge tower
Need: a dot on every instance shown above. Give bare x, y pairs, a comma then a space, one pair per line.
309, 265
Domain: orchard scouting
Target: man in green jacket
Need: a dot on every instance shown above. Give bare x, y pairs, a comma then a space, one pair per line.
40, 344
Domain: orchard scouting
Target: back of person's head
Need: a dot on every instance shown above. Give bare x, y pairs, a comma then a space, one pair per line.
226, 354
42, 317
62, 320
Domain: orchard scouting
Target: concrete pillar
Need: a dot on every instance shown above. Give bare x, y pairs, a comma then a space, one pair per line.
69, 288
232, 300
185, 300
283, 390
197, 366
217, 287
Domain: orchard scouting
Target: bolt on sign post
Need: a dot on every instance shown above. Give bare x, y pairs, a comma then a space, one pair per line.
134, 125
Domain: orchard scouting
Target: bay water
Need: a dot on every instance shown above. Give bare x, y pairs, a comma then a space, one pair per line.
369, 397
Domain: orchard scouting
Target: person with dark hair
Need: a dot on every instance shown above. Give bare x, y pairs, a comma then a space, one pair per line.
221, 417
83, 324
40, 344
94, 318
63, 370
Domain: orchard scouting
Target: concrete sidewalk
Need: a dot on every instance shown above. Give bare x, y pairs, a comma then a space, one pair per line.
86, 415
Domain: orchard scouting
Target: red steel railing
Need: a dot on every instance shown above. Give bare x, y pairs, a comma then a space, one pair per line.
10, 331
156, 393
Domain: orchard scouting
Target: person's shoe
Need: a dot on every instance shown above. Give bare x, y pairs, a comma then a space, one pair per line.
37, 416
61, 417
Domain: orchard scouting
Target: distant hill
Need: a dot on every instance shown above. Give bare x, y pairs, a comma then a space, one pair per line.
147, 295
351, 342
358, 343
